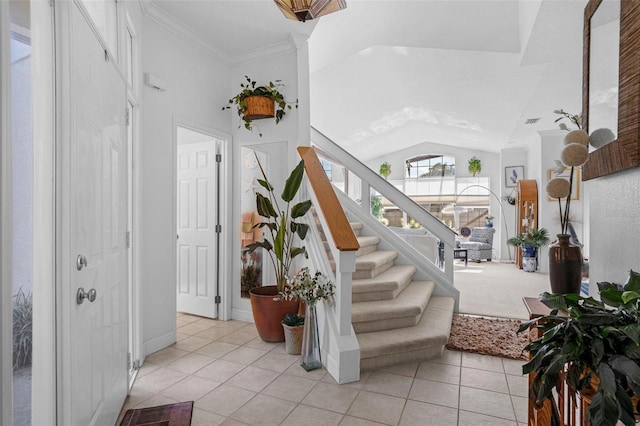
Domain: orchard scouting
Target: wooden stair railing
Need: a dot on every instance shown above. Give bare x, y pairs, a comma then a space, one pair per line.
339, 226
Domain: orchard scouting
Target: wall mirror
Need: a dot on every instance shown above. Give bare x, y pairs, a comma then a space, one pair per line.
611, 83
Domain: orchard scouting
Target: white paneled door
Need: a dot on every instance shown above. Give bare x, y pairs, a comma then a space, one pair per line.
197, 228
93, 217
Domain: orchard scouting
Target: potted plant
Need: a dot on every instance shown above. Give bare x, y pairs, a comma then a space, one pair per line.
488, 221
385, 170
474, 165
283, 232
293, 325
593, 346
529, 243
258, 102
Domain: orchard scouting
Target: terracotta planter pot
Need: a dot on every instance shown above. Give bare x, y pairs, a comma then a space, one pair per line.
293, 338
259, 107
268, 313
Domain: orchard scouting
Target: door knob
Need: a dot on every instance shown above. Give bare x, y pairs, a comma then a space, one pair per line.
81, 295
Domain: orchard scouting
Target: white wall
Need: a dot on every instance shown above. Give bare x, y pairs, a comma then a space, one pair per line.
508, 158
197, 88
614, 221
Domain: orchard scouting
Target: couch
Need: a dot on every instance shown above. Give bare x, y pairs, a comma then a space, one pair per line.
480, 244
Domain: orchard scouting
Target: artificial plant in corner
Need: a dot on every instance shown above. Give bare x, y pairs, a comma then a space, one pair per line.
594, 346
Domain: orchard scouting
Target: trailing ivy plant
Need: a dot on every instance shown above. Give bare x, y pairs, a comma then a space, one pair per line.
271, 91
590, 339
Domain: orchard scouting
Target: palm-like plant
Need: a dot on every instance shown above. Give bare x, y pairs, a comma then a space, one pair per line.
281, 223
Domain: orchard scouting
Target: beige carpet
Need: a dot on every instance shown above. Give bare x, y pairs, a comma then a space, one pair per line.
489, 336
496, 289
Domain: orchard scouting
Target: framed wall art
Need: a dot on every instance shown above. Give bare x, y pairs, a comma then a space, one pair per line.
512, 174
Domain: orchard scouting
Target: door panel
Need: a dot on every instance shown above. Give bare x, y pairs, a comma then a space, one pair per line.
94, 222
196, 229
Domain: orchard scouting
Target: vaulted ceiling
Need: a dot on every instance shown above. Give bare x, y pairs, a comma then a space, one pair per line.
387, 75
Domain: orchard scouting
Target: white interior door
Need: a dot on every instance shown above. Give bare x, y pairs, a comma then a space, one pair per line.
197, 228
93, 202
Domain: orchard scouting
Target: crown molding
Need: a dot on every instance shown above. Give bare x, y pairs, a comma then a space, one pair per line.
160, 16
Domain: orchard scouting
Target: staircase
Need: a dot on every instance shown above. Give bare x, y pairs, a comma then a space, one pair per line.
396, 318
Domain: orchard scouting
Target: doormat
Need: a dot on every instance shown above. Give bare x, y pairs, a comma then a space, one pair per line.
163, 415
488, 336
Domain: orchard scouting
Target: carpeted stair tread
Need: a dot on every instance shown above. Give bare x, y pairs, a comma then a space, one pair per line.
368, 244
424, 340
410, 303
384, 286
356, 226
374, 260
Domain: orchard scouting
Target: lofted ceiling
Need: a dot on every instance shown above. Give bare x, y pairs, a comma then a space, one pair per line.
388, 75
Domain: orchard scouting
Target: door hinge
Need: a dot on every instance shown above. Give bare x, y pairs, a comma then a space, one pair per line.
218, 158
136, 364
218, 229
127, 118
218, 299
128, 361
128, 239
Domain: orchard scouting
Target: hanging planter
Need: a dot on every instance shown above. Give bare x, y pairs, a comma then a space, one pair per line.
258, 102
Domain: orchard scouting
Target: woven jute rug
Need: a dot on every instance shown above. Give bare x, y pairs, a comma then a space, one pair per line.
163, 415
489, 336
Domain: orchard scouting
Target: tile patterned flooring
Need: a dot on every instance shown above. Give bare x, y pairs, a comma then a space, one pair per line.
237, 379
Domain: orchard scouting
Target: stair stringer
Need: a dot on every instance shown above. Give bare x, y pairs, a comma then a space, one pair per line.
407, 255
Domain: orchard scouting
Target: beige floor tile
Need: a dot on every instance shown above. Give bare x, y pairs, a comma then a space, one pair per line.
258, 343
159, 379
297, 370
389, 384
217, 349
194, 328
436, 372
276, 361
467, 418
310, 416
244, 355
449, 357
231, 422
220, 370
253, 378
521, 407
264, 410
224, 400
190, 389
435, 392
183, 320
355, 421
482, 362
156, 400
483, 379
486, 402
201, 417
233, 325
190, 363
146, 368
407, 369
191, 343
518, 385
165, 356
364, 376
214, 333
237, 338
135, 397
208, 321
290, 388
421, 413
513, 366
331, 397
182, 336
377, 407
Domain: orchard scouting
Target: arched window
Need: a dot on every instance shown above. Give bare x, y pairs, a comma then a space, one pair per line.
430, 165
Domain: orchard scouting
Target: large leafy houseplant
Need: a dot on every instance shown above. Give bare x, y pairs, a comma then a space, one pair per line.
585, 341
270, 90
533, 239
279, 218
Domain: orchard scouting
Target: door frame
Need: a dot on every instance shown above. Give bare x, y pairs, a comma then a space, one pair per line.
224, 309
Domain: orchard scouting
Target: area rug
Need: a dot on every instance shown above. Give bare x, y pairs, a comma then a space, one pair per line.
163, 415
488, 336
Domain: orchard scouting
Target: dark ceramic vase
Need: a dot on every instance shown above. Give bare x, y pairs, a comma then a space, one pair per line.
565, 266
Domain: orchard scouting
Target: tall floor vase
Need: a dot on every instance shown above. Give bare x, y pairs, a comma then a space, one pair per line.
565, 266
310, 352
